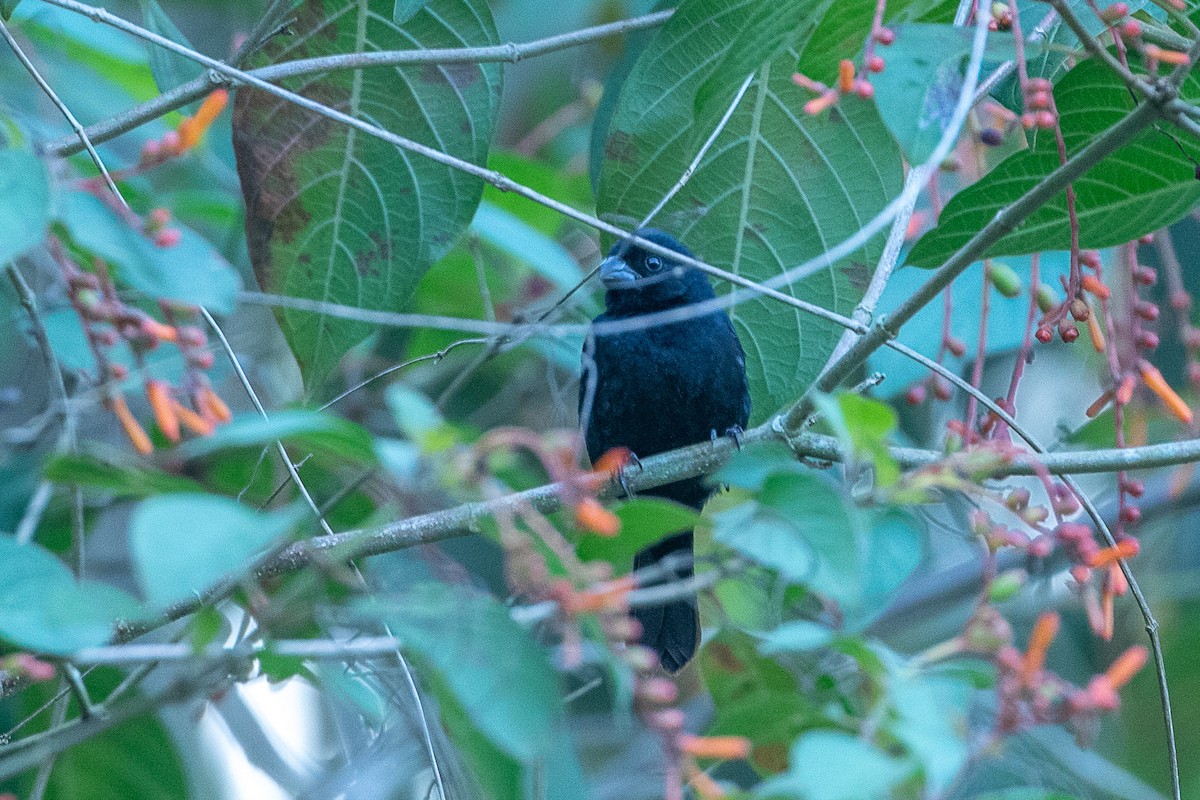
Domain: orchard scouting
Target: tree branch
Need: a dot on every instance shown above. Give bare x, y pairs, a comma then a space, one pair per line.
1005, 222
511, 52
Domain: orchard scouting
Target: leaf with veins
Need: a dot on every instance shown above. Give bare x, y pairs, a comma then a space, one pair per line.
776, 188
335, 215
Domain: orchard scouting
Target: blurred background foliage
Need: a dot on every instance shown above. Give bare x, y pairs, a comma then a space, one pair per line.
272, 735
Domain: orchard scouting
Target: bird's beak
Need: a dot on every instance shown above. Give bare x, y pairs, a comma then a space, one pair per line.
616, 274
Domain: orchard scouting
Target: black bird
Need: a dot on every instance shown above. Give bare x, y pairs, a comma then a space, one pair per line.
659, 388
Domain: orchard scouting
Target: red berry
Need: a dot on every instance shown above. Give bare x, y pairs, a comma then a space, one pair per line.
1044, 334
1131, 513
875, 64
1067, 331
1147, 340
864, 89
915, 395
885, 36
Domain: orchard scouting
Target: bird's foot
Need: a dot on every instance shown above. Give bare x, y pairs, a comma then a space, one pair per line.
735, 431
622, 471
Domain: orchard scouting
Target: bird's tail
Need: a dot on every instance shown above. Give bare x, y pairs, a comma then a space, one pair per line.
673, 629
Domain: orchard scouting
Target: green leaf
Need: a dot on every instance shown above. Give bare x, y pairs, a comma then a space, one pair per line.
754, 697
520, 240
182, 544
802, 528
850, 769
644, 520
191, 272
749, 469
94, 471
931, 721
138, 758
7, 7
339, 216
1058, 47
170, 69
868, 425
1144, 185
207, 625
918, 90
495, 672
404, 10
419, 419
24, 202
832, 172
43, 608
798, 636
306, 428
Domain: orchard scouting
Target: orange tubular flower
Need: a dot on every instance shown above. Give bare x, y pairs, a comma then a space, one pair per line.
1128, 664
193, 421
1094, 285
705, 786
819, 104
846, 75
1173, 57
613, 460
161, 332
1127, 548
137, 436
1099, 404
722, 747
211, 404
1044, 631
193, 128
1096, 333
1158, 384
592, 516
161, 403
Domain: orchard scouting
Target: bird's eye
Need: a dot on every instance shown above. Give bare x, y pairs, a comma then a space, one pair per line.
653, 263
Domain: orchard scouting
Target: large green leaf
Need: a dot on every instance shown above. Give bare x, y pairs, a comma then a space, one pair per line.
43, 608
339, 216
1143, 186
754, 697
498, 677
919, 89
182, 544
777, 187
135, 759
802, 528
170, 69
850, 769
24, 203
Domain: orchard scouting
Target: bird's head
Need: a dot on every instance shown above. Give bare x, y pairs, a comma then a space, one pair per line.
640, 281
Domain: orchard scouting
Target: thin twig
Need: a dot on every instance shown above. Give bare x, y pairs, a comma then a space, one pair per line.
80, 132
262, 412
1005, 221
197, 88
